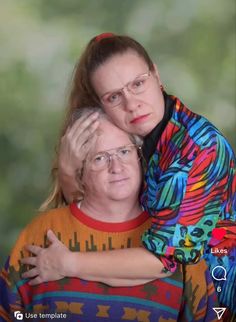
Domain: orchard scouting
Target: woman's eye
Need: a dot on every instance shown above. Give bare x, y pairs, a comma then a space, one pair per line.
124, 151
114, 97
99, 158
138, 82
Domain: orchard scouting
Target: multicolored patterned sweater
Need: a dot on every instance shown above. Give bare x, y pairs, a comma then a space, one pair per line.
190, 189
73, 299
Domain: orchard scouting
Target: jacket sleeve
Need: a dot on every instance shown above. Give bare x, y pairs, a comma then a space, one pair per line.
186, 201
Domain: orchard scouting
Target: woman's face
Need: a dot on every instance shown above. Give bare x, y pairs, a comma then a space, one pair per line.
118, 180
136, 113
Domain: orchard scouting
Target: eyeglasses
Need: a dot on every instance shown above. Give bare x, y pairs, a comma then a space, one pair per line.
137, 86
124, 154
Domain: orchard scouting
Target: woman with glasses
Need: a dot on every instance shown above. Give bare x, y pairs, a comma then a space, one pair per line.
189, 187
107, 217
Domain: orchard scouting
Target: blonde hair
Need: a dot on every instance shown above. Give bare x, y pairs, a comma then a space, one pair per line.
56, 197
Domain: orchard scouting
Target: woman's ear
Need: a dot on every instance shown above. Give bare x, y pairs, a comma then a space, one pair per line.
156, 73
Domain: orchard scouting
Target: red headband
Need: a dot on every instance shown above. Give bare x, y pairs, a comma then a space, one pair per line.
104, 35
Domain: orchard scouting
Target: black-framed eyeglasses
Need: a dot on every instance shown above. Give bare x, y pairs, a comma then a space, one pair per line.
136, 86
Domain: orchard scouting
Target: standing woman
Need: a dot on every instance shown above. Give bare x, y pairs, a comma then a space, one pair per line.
190, 180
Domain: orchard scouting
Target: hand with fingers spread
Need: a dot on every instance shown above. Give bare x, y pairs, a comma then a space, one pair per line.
74, 146
48, 262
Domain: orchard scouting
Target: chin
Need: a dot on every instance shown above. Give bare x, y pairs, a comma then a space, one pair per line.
145, 129
120, 195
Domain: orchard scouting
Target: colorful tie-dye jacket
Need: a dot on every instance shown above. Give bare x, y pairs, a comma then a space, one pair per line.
190, 190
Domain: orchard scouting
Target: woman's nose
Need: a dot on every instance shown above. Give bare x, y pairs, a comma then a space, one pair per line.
115, 164
130, 101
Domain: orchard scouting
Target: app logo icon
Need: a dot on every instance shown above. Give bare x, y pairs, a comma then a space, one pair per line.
219, 273
18, 315
219, 311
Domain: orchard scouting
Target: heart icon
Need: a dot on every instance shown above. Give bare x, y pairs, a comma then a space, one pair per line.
218, 233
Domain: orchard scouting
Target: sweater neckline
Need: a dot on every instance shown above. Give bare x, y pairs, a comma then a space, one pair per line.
108, 226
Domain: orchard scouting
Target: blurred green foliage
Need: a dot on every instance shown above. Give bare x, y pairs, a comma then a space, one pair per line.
192, 42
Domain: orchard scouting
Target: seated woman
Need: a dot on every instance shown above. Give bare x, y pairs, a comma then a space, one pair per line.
108, 217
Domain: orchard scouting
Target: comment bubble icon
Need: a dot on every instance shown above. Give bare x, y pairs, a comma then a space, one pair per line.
219, 273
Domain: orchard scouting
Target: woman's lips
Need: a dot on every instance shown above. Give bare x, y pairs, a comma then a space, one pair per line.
139, 119
119, 180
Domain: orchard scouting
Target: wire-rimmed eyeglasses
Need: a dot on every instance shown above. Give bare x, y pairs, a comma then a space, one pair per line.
124, 154
136, 86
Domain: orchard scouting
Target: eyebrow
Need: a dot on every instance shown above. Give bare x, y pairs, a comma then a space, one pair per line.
118, 89
119, 147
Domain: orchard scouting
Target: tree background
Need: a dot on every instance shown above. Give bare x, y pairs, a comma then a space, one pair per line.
192, 42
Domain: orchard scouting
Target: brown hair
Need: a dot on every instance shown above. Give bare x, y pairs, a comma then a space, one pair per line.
98, 51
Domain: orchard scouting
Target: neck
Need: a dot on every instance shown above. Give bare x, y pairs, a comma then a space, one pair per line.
112, 210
